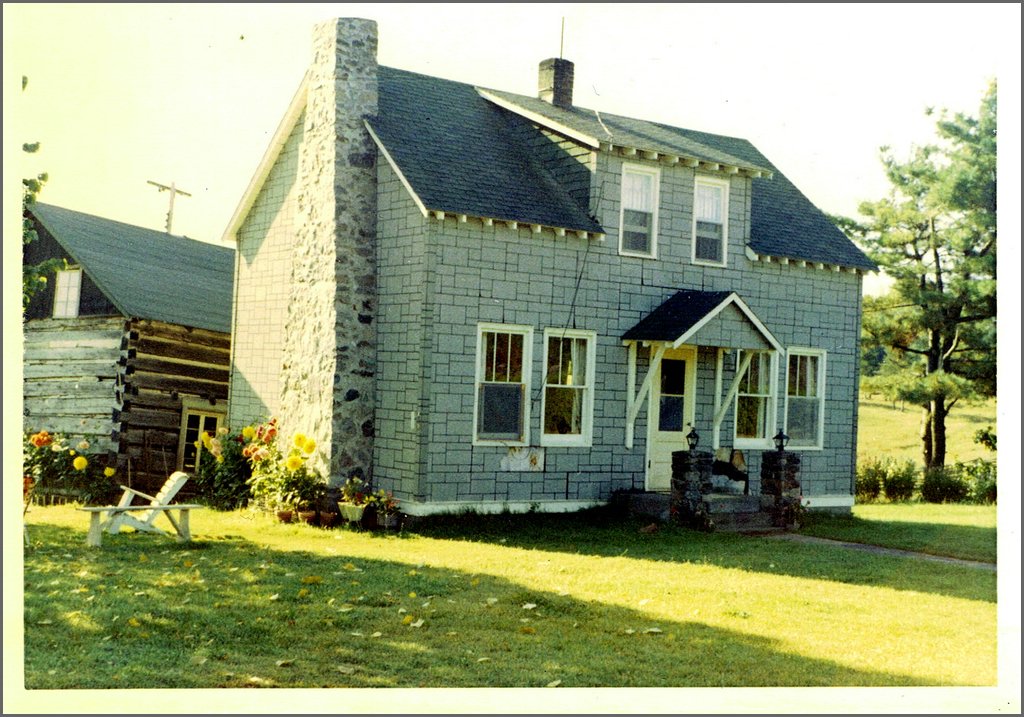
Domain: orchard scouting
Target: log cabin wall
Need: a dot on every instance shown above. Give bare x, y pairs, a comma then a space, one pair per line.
70, 377
164, 368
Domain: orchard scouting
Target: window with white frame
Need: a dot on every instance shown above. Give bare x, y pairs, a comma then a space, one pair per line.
67, 292
754, 400
638, 216
805, 398
710, 220
568, 401
196, 419
502, 411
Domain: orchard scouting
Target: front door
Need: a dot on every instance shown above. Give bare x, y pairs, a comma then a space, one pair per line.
670, 414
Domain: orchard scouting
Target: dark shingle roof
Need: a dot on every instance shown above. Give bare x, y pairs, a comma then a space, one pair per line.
459, 154
676, 316
145, 273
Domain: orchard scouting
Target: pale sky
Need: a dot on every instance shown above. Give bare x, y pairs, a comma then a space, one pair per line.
191, 94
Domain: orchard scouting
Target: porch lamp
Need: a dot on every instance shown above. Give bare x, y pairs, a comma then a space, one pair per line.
781, 441
692, 439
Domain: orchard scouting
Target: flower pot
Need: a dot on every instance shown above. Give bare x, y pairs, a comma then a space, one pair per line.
351, 513
327, 519
285, 516
308, 516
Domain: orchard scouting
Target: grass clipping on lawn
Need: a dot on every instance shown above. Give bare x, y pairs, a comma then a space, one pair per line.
554, 602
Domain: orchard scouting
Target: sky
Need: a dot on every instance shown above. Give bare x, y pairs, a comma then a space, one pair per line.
121, 95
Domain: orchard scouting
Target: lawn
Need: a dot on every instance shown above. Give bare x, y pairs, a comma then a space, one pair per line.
887, 429
567, 601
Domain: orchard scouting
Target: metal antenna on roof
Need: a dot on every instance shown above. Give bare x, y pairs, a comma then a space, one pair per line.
561, 44
173, 190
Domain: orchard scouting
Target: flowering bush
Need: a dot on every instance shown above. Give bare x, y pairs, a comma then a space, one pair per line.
54, 464
222, 472
355, 491
280, 478
384, 502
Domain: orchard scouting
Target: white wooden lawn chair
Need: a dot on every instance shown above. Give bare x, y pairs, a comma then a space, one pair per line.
120, 515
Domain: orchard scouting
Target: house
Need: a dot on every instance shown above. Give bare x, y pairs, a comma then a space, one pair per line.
128, 346
487, 300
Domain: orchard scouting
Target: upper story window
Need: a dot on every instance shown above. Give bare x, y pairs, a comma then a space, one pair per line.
805, 398
568, 402
710, 221
638, 217
503, 384
67, 292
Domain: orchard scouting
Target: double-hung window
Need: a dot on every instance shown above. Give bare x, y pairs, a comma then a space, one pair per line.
568, 401
710, 221
755, 401
638, 217
805, 398
502, 411
194, 423
67, 293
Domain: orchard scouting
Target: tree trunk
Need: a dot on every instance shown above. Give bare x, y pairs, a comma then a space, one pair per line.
926, 435
938, 431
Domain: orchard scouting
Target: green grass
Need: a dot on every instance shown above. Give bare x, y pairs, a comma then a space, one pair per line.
957, 531
893, 430
573, 601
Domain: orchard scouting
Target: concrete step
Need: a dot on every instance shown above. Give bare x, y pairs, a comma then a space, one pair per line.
730, 513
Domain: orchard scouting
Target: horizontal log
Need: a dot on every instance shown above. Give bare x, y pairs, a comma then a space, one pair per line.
168, 349
99, 405
73, 427
142, 418
84, 370
153, 438
154, 400
45, 352
181, 385
183, 334
178, 369
68, 388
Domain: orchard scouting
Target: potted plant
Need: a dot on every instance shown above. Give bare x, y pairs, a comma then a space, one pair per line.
354, 498
282, 482
386, 506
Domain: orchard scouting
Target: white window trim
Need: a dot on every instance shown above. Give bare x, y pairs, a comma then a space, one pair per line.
822, 356
656, 191
586, 437
62, 277
527, 333
770, 410
725, 186
196, 406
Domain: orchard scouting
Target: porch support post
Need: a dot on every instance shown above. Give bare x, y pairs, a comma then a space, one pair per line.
633, 406
716, 441
630, 385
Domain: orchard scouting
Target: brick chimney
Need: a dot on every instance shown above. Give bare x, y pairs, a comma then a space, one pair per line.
329, 357
555, 82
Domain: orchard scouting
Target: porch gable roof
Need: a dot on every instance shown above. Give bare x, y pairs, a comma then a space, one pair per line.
722, 318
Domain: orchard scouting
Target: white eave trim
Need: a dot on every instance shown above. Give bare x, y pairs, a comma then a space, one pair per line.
540, 119
514, 224
277, 143
802, 263
394, 166
733, 298
705, 165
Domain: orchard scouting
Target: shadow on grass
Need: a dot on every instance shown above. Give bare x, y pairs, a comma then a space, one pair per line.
226, 612
606, 532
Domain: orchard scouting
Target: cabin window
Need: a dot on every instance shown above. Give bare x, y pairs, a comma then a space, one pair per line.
710, 221
805, 398
67, 293
638, 216
195, 422
502, 410
755, 401
568, 399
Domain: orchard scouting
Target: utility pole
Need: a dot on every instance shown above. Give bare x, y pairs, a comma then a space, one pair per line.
173, 190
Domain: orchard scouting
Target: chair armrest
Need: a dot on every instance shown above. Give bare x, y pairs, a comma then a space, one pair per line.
138, 492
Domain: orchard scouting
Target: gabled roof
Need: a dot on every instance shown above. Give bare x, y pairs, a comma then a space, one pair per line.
459, 154
686, 313
148, 274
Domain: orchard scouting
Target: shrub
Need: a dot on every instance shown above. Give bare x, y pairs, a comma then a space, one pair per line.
280, 478
222, 477
980, 476
944, 485
899, 481
869, 479
55, 465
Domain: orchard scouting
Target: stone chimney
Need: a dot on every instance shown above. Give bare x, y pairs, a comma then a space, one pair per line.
327, 372
555, 82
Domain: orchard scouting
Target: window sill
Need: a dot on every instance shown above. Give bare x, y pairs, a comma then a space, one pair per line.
636, 255
560, 442
702, 262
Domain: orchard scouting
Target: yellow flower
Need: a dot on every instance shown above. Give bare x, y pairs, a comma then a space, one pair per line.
109, 472
207, 440
71, 452
309, 445
299, 440
293, 463
80, 463
248, 432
